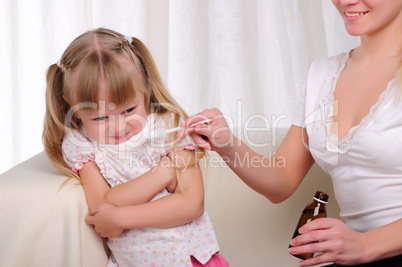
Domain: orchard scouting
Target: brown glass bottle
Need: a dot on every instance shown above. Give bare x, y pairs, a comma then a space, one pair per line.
314, 210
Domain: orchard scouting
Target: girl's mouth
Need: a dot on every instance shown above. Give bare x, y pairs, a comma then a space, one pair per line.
121, 137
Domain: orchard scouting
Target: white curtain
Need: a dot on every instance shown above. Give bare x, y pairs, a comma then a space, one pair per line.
247, 57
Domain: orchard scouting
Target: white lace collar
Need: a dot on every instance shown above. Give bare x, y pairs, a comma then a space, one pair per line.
333, 143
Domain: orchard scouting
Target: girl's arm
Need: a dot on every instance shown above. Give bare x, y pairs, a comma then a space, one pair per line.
143, 188
185, 205
276, 177
139, 190
95, 186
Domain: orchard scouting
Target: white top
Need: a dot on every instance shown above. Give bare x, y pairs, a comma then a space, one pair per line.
366, 165
126, 161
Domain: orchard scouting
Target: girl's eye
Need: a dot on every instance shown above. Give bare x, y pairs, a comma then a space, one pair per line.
129, 110
101, 118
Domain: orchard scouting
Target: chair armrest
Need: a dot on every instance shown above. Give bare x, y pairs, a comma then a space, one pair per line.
43, 225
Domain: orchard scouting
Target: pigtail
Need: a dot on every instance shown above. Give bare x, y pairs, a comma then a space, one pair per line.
398, 77
54, 131
160, 99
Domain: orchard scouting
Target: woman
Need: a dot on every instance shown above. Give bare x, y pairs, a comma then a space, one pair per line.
348, 121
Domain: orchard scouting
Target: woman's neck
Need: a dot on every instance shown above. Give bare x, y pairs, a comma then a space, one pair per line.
383, 43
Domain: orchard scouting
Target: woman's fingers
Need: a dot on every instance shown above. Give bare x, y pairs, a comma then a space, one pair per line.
204, 115
214, 134
332, 240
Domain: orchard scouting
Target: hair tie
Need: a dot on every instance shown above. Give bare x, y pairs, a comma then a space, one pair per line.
58, 63
129, 39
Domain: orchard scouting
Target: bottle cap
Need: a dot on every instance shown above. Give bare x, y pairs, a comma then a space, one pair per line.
321, 197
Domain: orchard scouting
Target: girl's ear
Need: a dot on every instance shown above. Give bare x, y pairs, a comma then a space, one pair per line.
75, 113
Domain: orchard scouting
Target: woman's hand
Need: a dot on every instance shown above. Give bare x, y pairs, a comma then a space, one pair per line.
104, 218
337, 242
216, 135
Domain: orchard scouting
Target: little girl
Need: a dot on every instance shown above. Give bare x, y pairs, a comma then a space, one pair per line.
103, 98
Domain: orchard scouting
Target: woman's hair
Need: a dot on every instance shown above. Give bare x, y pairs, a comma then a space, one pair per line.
399, 76
90, 57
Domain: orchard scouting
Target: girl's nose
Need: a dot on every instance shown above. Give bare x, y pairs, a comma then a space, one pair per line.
117, 125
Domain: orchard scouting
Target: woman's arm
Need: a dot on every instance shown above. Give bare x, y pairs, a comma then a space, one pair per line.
277, 180
342, 245
276, 177
185, 205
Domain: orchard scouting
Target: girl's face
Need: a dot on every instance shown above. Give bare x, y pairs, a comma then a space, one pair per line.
362, 17
113, 124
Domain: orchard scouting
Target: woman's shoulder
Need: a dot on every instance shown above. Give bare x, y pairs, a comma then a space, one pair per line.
324, 69
329, 63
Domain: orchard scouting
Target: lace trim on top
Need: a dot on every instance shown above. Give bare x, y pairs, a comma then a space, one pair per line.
333, 143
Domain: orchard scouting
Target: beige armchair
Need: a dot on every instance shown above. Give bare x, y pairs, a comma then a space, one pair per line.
42, 225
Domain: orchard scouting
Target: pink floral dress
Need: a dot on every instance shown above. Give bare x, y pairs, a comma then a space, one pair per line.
123, 162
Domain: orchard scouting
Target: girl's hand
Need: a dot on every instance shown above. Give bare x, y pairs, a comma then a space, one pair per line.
104, 218
216, 135
337, 242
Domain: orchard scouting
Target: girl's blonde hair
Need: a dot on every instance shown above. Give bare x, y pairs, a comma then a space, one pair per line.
95, 55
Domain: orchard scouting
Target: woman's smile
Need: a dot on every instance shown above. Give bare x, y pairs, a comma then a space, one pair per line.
355, 14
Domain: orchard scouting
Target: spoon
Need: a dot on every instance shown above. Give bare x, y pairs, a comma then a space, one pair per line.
156, 133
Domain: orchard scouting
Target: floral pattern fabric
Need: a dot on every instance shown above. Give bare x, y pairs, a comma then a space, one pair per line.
124, 162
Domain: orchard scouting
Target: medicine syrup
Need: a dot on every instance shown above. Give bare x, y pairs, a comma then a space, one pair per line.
314, 210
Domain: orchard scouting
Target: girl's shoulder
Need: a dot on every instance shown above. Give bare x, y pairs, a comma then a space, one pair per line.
77, 138
165, 120
170, 120
77, 149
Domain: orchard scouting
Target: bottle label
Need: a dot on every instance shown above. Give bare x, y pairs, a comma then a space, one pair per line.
317, 209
